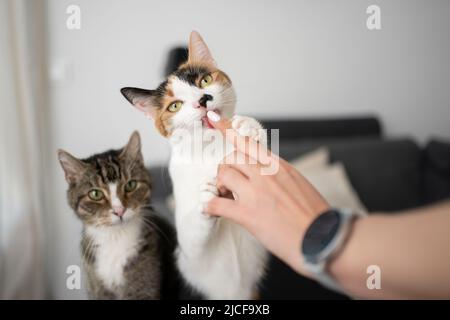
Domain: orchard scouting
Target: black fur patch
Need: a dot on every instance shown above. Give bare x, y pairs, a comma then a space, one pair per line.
190, 74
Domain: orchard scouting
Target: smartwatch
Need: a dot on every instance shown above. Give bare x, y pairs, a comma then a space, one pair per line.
323, 240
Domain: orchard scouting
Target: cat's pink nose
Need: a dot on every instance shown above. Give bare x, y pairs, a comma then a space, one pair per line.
119, 211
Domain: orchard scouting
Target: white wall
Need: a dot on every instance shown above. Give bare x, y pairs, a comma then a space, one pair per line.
287, 58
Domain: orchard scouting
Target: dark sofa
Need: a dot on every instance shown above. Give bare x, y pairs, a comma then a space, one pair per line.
389, 174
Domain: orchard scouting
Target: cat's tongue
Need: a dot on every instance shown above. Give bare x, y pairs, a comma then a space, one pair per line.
206, 122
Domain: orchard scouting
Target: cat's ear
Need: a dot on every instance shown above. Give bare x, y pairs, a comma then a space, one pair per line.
198, 50
73, 168
142, 99
132, 151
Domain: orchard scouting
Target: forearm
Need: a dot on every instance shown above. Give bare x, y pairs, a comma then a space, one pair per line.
411, 250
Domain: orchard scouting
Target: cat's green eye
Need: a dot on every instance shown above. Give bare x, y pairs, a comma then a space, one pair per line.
95, 195
175, 106
206, 81
131, 185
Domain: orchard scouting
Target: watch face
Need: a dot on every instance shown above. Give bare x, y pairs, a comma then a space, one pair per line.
320, 233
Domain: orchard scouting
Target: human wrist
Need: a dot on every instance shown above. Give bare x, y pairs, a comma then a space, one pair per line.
345, 267
324, 240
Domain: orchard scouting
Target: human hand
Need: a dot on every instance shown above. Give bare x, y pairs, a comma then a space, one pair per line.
277, 209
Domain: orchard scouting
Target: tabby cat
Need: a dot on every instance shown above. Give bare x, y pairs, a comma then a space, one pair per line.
126, 250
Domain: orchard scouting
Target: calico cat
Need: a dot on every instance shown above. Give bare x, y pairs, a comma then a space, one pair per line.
127, 252
217, 257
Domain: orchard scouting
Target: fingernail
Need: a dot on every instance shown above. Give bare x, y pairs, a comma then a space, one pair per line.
213, 116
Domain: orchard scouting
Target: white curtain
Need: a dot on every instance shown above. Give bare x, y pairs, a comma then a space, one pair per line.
22, 156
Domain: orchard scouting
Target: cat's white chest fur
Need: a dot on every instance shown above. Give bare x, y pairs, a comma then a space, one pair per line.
217, 257
115, 246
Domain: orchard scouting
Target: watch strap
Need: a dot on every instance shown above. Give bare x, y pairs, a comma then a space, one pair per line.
324, 278
319, 268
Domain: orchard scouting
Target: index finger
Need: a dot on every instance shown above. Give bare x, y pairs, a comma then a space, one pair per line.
218, 122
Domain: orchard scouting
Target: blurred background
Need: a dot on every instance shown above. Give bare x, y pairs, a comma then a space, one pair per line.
288, 59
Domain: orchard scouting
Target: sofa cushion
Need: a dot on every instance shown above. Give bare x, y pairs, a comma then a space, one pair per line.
330, 180
436, 171
294, 129
385, 173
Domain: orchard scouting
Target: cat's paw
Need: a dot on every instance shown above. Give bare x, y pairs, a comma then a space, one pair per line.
207, 192
249, 127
